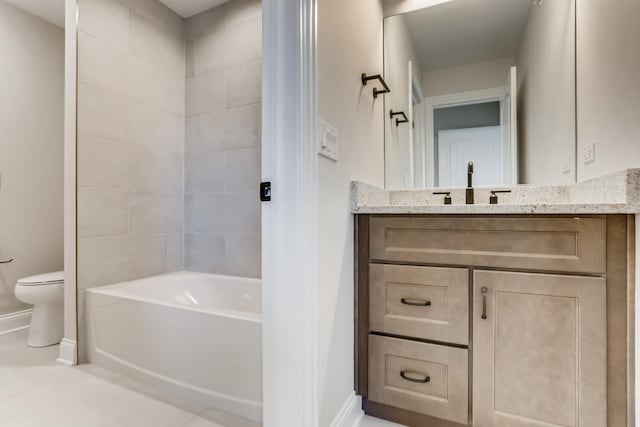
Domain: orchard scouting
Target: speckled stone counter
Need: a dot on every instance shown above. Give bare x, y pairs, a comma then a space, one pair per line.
616, 193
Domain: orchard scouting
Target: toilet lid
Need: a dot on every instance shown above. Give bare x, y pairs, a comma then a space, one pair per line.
56, 277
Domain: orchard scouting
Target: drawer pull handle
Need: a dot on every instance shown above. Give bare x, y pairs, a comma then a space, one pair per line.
423, 380
415, 303
484, 302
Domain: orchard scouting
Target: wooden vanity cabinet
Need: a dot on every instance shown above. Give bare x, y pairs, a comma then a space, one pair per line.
495, 321
539, 350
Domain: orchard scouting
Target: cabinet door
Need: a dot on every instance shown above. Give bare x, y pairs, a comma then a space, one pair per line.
539, 354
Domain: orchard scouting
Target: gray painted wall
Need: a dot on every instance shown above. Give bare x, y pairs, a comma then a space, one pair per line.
546, 95
608, 85
31, 149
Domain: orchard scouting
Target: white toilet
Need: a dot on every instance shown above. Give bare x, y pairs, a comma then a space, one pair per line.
46, 293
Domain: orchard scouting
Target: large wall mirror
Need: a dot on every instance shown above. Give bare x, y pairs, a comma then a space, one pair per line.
485, 81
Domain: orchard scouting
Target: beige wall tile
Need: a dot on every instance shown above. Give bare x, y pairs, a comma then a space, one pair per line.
148, 214
173, 95
233, 213
158, 14
243, 85
101, 114
155, 45
242, 169
175, 174
205, 94
146, 83
175, 214
103, 261
106, 19
149, 173
140, 76
226, 15
225, 40
204, 253
102, 213
155, 128
202, 133
189, 214
103, 163
174, 260
240, 128
148, 253
204, 173
224, 130
243, 255
102, 65
227, 47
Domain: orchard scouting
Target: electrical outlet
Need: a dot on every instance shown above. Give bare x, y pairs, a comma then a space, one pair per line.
328, 141
589, 153
566, 164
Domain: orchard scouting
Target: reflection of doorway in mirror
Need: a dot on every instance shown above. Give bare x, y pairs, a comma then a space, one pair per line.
417, 130
468, 110
481, 145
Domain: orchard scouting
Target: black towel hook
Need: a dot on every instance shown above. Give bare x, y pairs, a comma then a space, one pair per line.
376, 91
405, 119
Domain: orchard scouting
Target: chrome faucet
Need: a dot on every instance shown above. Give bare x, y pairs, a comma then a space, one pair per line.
469, 192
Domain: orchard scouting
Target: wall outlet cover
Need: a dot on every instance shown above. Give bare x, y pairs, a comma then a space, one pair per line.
566, 164
589, 153
328, 141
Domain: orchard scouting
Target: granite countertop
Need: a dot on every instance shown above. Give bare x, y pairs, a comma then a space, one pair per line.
616, 193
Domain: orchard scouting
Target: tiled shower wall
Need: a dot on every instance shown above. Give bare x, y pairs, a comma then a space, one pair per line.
131, 98
223, 108
139, 65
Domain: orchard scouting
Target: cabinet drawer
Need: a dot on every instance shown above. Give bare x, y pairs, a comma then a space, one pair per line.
542, 243
424, 378
420, 302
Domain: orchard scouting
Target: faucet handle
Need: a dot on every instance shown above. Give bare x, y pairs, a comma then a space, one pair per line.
493, 199
447, 196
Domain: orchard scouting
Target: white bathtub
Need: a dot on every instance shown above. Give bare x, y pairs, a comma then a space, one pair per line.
196, 335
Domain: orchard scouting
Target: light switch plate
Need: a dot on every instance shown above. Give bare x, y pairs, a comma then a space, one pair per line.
328, 141
589, 153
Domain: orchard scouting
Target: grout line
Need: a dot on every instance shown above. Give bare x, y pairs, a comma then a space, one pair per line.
224, 110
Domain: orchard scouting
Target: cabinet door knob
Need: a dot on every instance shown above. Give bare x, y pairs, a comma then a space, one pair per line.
422, 380
484, 302
415, 303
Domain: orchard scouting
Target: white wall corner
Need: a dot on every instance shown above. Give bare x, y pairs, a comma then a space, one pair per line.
68, 353
14, 322
351, 414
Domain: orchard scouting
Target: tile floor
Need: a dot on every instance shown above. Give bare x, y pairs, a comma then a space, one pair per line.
35, 391
376, 422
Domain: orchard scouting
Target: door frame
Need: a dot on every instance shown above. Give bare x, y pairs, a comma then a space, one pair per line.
416, 115
452, 100
289, 220
69, 345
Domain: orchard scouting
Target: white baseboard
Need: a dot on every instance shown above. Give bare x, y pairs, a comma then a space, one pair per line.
14, 322
68, 352
351, 412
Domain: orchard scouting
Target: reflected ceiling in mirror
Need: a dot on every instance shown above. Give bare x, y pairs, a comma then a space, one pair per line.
485, 81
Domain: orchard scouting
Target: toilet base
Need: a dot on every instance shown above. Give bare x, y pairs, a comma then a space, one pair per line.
47, 325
